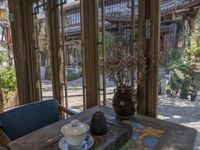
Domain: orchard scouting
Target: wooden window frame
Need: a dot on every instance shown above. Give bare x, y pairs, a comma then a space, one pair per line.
28, 87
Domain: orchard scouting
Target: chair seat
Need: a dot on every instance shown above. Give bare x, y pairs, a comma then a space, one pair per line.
28, 118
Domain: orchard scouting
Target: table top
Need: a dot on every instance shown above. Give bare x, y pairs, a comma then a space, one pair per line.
147, 133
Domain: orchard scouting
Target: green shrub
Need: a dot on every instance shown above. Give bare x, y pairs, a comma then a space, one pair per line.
73, 76
169, 91
173, 56
195, 38
183, 78
8, 78
8, 82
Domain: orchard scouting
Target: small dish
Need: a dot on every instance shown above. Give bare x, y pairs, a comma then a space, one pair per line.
86, 144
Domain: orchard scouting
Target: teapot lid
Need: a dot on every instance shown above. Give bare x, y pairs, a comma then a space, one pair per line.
75, 128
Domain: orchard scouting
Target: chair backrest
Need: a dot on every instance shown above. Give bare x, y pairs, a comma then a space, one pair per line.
30, 117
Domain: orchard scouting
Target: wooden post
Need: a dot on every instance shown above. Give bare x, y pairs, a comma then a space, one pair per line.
132, 42
148, 52
82, 55
90, 37
24, 53
103, 49
56, 51
141, 94
153, 75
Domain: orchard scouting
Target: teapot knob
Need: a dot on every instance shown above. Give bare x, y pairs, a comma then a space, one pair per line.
75, 123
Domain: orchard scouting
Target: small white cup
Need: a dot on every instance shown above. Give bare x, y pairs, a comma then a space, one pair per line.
75, 132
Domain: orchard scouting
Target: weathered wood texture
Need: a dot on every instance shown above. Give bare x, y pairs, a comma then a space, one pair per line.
175, 137
48, 137
4, 139
2, 148
90, 40
148, 52
24, 53
141, 94
56, 51
103, 48
27, 68
153, 60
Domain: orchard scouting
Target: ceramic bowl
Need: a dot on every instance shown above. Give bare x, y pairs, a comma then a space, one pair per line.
75, 132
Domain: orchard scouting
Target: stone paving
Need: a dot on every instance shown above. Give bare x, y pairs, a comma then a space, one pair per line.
184, 112
176, 110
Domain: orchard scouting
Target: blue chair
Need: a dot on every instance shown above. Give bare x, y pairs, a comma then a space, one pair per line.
28, 118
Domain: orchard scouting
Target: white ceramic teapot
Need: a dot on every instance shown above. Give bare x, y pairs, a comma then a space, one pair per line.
75, 132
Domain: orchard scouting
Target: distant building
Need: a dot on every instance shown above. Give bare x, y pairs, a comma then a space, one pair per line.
177, 21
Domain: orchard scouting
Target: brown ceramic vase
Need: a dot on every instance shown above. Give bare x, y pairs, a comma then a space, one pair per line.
124, 103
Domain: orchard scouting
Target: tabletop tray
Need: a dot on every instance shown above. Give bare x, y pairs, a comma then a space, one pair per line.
118, 134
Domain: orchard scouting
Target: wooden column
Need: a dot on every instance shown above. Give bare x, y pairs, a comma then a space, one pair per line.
153, 75
149, 40
56, 51
24, 53
142, 44
90, 40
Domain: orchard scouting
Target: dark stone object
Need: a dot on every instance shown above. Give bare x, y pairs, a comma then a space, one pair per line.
98, 125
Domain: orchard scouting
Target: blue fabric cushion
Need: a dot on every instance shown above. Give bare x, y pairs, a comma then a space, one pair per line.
30, 117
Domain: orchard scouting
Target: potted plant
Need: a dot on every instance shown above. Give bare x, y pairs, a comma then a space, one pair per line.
119, 66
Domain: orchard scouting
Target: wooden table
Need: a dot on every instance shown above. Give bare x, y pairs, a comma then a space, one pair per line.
169, 136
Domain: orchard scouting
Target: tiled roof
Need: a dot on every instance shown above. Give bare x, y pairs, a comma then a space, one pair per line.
167, 6
77, 28
119, 16
170, 5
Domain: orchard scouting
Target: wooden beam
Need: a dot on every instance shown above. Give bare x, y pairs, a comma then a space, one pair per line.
90, 40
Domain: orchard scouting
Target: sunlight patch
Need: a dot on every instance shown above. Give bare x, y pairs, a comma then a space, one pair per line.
163, 117
176, 117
